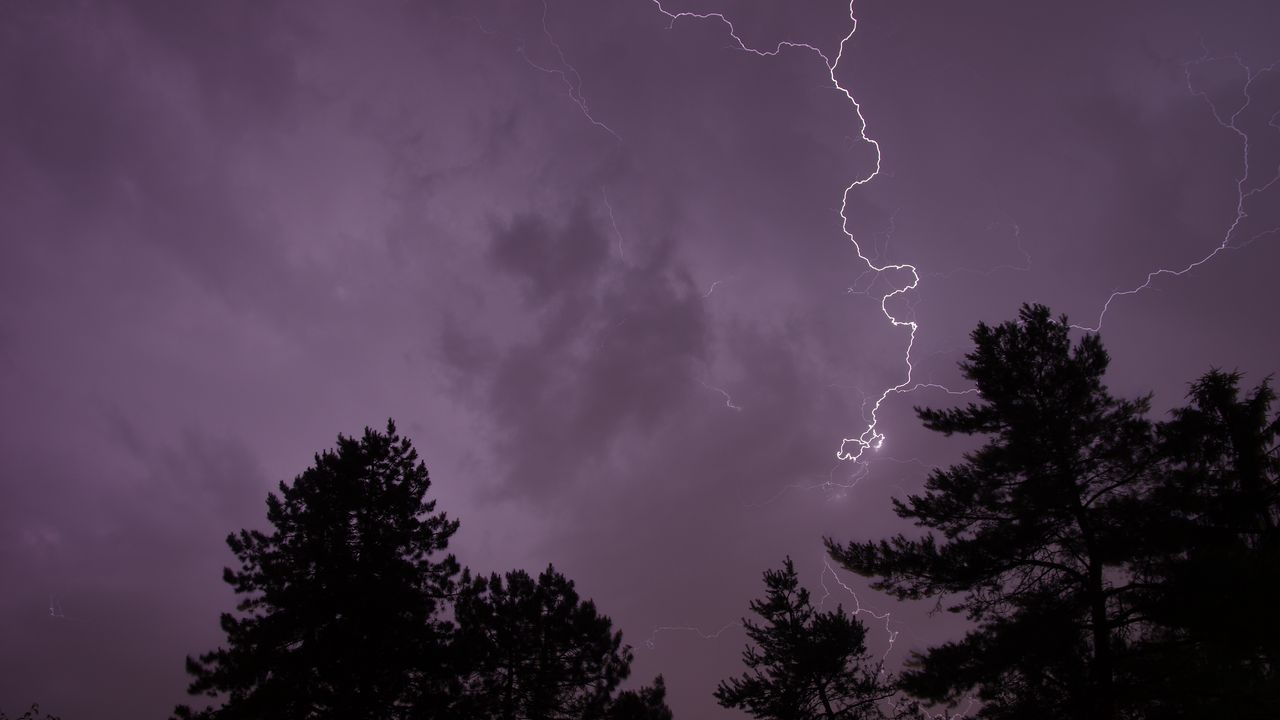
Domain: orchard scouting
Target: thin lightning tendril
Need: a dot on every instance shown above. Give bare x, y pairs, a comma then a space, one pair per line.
858, 609
712, 289
652, 641
728, 400
1242, 195
614, 222
568, 75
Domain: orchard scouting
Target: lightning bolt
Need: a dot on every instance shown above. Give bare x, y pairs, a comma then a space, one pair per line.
1230, 123
851, 448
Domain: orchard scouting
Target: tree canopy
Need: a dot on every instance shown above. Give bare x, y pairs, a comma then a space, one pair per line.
1112, 567
350, 609
533, 650
1212, 646
340, 603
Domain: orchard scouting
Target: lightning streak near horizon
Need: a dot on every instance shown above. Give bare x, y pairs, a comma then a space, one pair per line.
1243, 194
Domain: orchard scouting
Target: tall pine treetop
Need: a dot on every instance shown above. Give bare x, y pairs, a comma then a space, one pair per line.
1031, 535
339, 611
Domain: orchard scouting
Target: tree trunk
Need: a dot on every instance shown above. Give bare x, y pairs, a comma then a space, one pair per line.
1101, 672
826, 704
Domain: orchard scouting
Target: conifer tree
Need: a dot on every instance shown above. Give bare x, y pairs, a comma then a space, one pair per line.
804, 664
339, 616
1212, 648
532, 649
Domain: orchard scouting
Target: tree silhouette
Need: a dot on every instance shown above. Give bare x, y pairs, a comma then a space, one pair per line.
804, 663
1213, 649
534, 651
1031, 532
339, 610
646, 703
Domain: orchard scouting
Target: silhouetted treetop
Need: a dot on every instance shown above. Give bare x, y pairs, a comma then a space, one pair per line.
339, 611
1212, 645
534, 650
804, 663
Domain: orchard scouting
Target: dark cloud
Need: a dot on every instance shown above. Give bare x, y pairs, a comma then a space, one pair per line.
614, 349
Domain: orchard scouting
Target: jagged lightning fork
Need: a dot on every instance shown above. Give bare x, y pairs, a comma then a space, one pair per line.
1242, 195
887, 617
871, 437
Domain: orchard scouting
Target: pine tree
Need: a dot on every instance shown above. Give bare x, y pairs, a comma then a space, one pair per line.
804, 664
339, 610
533, 650
1032, 534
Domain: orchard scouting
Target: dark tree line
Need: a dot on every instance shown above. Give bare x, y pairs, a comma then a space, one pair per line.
351, 609
32, 713
1112, 567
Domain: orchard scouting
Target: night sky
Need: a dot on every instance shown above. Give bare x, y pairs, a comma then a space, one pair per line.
590, 258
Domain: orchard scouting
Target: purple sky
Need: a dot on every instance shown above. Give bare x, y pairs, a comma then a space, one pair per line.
232, 230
